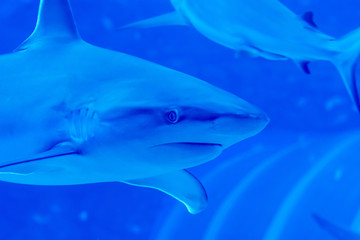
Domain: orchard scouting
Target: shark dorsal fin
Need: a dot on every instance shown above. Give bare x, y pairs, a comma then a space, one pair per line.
55, 23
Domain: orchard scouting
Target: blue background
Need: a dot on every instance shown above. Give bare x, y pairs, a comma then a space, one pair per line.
267, 187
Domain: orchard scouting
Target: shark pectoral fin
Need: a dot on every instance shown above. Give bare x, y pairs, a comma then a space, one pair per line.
24, 166
303, 65
55, 23
181, 185
168, 19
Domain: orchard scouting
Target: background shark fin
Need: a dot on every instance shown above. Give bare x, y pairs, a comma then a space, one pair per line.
335, 230
181, 185
54, 22
346, 61
303, 65
309, 18
168, 19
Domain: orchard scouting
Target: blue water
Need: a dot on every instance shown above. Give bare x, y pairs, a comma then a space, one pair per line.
267, 187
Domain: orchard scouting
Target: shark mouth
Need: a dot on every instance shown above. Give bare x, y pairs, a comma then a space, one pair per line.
187, 154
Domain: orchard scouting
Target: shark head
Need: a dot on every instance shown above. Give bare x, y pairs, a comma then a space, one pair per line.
178, 123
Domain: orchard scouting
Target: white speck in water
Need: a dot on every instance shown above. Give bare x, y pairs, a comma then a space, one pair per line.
83, 216
55, 208
334, 102
301, 102
137, 36
107, 23
135, 229
338, 174
39, 219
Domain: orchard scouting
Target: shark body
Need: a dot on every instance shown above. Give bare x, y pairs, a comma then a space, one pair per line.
268, 29
74, 113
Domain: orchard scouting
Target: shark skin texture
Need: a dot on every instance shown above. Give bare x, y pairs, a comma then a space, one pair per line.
74, 113
267, 29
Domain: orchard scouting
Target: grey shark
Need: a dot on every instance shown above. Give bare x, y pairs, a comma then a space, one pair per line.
266, 28
74, 113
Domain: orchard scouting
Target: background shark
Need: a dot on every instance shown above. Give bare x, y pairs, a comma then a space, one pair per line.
73, 113
266, 29
337, 231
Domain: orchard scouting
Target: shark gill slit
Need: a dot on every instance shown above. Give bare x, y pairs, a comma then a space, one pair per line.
82, 124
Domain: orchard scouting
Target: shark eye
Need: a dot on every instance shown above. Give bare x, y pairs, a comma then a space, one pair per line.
172, 116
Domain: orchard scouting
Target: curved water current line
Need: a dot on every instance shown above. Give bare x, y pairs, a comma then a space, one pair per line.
219, 218
281, 218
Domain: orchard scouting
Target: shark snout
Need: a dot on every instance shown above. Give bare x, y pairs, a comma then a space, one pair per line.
253, 114
240, 123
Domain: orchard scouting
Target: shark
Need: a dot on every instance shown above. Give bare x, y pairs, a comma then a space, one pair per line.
337, 231
267, 29
74, 113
